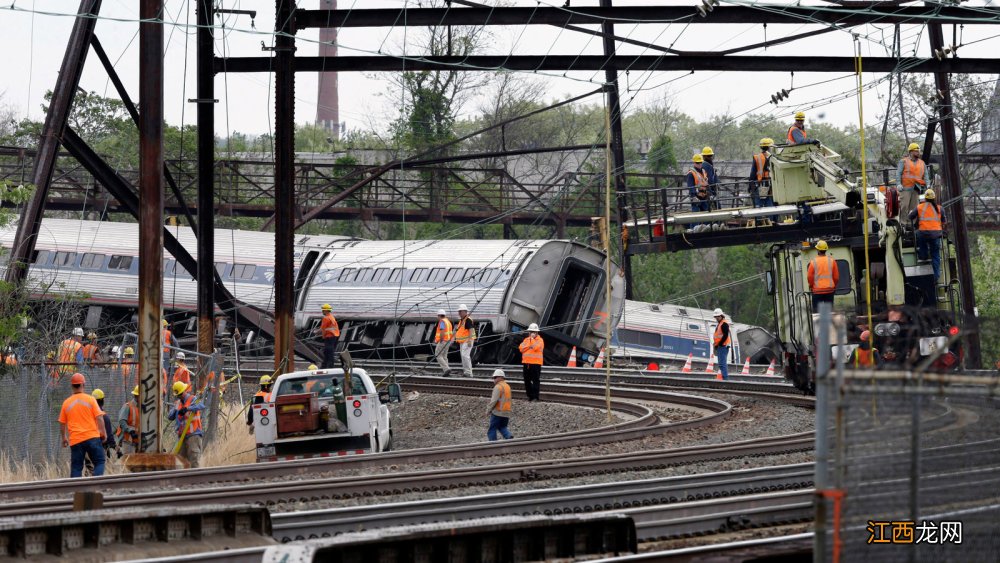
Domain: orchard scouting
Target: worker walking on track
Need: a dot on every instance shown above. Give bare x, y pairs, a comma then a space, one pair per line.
187, 413
722, 339
443, 335
913, 178
128, 423
500, 407
865, 355
797, 132
82, 428
930, 223
760, 175
329, 331
708, 165
182, 373
91, 351
532, 351
465, 335
697, 183
822, 276
261, 396
168, 340
71, 352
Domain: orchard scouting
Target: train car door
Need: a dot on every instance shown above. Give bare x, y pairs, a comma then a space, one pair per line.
308, 268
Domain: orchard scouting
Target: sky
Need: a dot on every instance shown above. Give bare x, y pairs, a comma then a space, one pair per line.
369, 101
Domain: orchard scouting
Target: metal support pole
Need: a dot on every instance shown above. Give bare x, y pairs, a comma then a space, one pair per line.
821, 478
617, 151
284, 186
48, 146
150, 220
954, 184
206, 177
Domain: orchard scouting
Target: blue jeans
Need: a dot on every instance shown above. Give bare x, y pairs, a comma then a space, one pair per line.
699, 205
91, 448
498, 424
722, 355
932, 246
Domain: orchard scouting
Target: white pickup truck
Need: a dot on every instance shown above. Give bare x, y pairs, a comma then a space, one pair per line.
319, 414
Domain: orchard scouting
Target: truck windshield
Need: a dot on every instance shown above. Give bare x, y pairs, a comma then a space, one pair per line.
320, 385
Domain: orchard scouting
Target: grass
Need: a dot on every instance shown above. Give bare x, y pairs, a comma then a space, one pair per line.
232, 445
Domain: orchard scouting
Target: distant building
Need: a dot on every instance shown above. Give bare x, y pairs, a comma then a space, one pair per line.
328, 100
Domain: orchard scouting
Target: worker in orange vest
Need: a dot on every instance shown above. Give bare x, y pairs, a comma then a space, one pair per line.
930, 224
329, 331
865, 355
532, 353
182, 373
168, 340
9, 358
465, 336
187, 407
261, 396
443, 336
760, 175
91, 351
128, 365
71, 352
698, 185
797, 132
823, 276
81, 424
913, 178
722, 339
500, 407
128, 423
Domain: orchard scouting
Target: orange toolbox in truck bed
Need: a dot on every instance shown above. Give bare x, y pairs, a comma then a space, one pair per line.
297, 414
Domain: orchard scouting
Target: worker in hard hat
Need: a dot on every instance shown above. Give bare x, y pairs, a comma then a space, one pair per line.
109, 431
823, 276
168, 341
329, 332
261, 396
865, 356
312, 367
71, 352
128, 366
722, 340
499, 408
697, 183
708, 165
187, 413
443, 336
532, 350
797, 132
82, 428
181, 372
91, 351
914, 178
929, 222
760, 175
465, 336
128, 423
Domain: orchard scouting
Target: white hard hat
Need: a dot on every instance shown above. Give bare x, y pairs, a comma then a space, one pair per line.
180, 356
463, 308
441, 313
533, 327
77, 331
718, 313
498, 373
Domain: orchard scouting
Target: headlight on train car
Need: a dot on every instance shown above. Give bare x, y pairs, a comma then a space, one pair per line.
887, 329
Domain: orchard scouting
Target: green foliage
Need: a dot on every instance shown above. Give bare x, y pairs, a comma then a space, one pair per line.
13, 313
661, 159
986, 273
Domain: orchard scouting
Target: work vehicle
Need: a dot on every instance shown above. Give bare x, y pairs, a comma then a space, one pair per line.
321, 413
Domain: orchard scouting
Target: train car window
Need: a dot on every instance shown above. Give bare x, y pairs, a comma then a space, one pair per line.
454, 275
41, 257
346, 275
381, 275
844, 279
118, 262
64, 258
489, 276
244, 271
639, 337
91, 261
418, 275
472, 273
365, 275
694, 327
436, 275
396, 275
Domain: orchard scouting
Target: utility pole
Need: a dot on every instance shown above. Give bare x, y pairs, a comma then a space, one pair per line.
617, 150
284, 186
206, 177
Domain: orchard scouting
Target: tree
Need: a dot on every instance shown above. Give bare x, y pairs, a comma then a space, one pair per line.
13, 310
661, 158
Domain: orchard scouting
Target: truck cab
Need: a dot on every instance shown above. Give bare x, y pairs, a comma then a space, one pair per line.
321, 413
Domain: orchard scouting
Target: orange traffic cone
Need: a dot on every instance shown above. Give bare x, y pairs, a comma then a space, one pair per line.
746, 367
711, 364
687, 364
599, 363
719, 376
572, 359
770, 369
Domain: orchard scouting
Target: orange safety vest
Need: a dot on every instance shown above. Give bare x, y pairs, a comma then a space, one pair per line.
132, 421
182, 373
67, 355
329, 326
464, 331
444, 331
265, 394
504, 404
823, 281
791, 139
90, 353
913, 173
761, 160
718, 336
531, 350
166, 341
700, 181
182, 420
928, 217
127, 369
10, 360
864, 358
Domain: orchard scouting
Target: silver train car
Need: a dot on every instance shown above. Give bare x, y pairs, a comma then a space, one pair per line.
385, 294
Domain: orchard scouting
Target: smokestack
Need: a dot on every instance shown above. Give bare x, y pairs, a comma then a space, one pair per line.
328, 103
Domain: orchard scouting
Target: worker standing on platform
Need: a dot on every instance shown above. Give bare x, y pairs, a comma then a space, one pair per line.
760, 175
823, 276
71, 352
182, 373
697, 183
708, 165
168, 340
722, 339
186, 409
262, 396
465, 335
913, 177
128, 423
797, 132
330, 332
532, 353
91, 351
930, 223
443, 336
865, 356
82, 428
500, 407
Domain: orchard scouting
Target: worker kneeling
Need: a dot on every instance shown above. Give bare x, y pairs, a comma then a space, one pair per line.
500, 407
187, 413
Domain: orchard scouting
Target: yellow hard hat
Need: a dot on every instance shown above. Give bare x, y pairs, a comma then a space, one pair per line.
707, 151
92, 335
326, 307
163, 322
129, 351
913, 147
180, 387
97, 394
929, 194
265, 380
800, 115
822, 245
135, 391
312, 367
767, 142
697, 159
